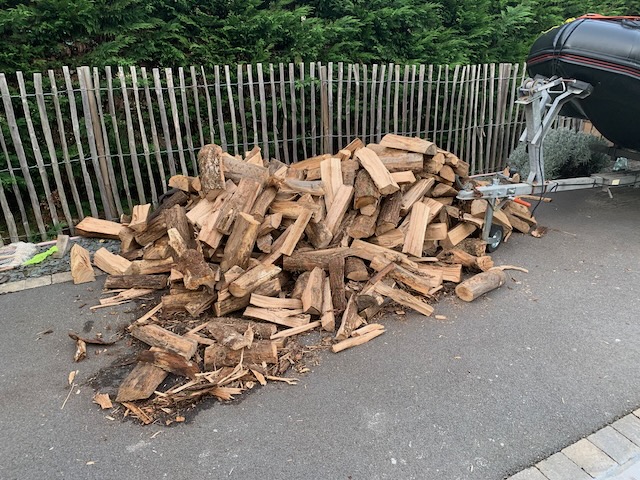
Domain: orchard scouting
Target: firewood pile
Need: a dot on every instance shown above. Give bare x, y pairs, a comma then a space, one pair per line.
254, 252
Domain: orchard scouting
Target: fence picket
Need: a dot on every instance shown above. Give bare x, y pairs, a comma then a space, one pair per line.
314, 120
196, 106
171, 90
187, 122
379, 108
241, 108
143, 134
356, 78
411, 103
8, 215
221, 129
36, 149
96, 147
303, 111
207, 96
294, 108
285, 117
274, 111
65, 150
157, 84
76, 133
339, 116
405, 93
372, 112
154, 130
232, 109
263, 110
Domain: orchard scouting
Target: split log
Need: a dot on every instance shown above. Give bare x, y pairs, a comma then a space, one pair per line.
154, 282
228, 336
139, 216
482, 263
240, 243
403, 298
296, 232
216, 356
335, 267
157, 336
307, 261
236, 170
212, 178
287, 318
415, 144
367, 251
403, 177
389, 216
436, 231
156, 228
480, 284
196, 271
363, 226
271, 302
96, 227
264, 243
339, 207
458, 233
300, 285
447, 173
178, 302
415, 193
379, 173
81, 268
296, 330
141, 382
253, 279
111, 263
262, 203
150, 267
128, 244
419, 281
269, 224
327, 320
358, 340
312, 294
390, 239
62, 246
170, 362
443, 190
365, 190
414, 239
350, 320
318, 234
331, 175
398, 160
356, 270
241, 202
261, 330
433, 165
176, 217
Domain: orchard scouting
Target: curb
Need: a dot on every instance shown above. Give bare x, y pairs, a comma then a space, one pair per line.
36, 282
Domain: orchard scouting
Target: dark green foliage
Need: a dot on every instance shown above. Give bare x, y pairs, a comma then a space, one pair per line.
566, 154
35, 36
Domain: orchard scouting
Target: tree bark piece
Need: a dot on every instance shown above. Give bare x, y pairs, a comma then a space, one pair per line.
216, 356
318, 234
414, 239
210, 165
154, 282
379, 174
157, 336
480, 284
414, 144
110, 263
240, 243
253, 279
312, 293
96, 227
81, 268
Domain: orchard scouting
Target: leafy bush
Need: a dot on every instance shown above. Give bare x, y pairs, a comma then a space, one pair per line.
566, 154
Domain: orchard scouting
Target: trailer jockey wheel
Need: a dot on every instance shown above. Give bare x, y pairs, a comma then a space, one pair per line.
496, 235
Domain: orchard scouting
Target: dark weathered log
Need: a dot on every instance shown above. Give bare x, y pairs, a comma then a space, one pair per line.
154, 282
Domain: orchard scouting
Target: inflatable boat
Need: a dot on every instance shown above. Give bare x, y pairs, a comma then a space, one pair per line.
605, 52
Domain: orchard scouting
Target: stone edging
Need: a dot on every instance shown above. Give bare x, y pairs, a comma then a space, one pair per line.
36, 282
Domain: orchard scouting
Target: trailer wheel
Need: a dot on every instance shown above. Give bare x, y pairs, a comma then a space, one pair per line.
496, 235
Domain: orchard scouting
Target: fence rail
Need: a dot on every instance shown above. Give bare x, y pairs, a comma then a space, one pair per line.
95, 141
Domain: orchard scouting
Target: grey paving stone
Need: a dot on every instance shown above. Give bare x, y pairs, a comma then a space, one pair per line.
559, 467
589, 457
629, 426
531, 473
614, 444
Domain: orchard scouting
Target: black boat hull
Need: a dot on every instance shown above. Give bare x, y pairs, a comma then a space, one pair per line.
606, 54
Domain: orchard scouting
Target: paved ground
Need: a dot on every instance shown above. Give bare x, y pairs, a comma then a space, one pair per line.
500, 385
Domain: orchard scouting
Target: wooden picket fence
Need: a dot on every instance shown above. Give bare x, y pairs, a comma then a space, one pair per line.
96, 142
